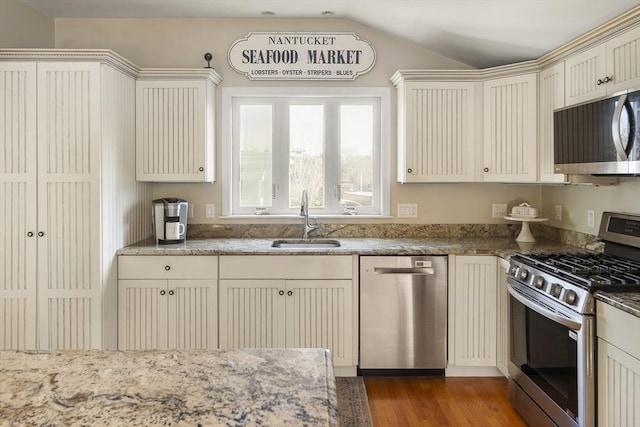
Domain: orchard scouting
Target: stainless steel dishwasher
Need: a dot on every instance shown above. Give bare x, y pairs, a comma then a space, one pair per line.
403, 313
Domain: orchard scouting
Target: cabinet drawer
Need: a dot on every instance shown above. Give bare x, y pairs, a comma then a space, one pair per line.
286, 267
168, 267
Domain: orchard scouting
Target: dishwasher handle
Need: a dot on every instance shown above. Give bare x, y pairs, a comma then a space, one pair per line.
399, 270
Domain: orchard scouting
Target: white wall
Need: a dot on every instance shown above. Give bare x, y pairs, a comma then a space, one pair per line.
21, 26
577, 199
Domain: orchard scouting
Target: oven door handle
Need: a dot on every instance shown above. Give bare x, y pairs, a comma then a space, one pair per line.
542, 310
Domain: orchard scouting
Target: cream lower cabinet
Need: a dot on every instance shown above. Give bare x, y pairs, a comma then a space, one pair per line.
167, 302
472, 315
289, 301
618, 367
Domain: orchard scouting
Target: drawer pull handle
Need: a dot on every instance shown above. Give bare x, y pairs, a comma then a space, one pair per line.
163, 292
167, 267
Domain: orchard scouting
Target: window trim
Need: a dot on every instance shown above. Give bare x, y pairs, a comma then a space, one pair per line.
228, 95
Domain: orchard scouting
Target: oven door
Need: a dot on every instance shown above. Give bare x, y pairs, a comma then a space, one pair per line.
551, 357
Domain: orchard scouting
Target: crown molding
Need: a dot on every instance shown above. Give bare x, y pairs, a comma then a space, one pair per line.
465, 75
180, 74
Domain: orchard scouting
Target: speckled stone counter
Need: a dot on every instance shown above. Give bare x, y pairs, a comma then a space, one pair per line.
250, 387
625, 301
361, 246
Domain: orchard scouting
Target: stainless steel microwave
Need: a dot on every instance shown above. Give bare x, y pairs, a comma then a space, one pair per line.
598, 138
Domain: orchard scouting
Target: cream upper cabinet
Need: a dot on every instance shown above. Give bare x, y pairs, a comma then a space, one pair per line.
550, 96
618, 367
66, 184
604, 69
510, 129
289, 301
175, 130
436, 131
167, 302
472, 315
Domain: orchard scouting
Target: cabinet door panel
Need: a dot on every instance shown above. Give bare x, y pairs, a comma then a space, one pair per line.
583, 72
68, 202
472, 314
192, 311
142, 315
618, 387
252, 314
18, 195
623, 61
551, 97
319, 315
439, 132
510, 129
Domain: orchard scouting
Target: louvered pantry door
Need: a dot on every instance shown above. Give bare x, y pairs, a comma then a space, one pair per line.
69, 279
143, 315
320, 315
192, 314
18, 228
252, 313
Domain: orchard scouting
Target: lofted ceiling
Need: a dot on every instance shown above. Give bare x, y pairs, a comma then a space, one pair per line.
480, 33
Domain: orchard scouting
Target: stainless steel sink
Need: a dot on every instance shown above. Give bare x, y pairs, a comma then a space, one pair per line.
305, 243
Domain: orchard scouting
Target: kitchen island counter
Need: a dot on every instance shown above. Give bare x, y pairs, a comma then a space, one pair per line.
284, 387
503, 247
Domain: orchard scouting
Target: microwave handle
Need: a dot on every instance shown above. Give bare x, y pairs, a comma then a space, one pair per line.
615, 128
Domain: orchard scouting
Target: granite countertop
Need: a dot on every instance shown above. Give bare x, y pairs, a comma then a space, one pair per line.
361, 246
283, 387
625, 301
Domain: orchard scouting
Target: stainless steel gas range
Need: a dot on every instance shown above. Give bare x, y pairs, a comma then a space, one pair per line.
552, 323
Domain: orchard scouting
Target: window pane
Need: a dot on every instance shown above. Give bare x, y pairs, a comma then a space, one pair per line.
356, 155
255, 155
306, 154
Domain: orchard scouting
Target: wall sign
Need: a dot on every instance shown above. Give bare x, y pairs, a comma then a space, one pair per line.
302, 56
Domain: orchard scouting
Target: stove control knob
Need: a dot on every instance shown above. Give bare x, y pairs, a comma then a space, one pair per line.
539, 283
523, 274
556, 290
570, 297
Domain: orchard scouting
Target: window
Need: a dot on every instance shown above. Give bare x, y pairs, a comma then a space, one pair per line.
328, 142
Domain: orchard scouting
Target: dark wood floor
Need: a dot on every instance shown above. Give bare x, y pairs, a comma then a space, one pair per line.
440, 401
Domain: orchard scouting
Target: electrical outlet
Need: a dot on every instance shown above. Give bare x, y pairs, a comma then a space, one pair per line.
210, 210
591, 218
498, 210
190, 210
559, 212
407, 210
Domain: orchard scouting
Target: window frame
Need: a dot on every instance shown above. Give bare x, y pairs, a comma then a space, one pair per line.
291, 95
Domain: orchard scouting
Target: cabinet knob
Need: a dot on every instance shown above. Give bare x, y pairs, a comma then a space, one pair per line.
171, 292
409, 170
608, 79
167, 267
40, 233
30, 234
163, 292
599, 82
201, 169
281, 293
290, 293
486, 169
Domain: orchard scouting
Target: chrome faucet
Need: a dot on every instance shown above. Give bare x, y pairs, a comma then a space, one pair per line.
304, 212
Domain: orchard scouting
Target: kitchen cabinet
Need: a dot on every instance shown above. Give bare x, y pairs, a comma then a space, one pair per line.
436, 130
510, 129
289, 301
175, 130
472, 315
551, 96
618, 367
167, 302
502, 327
70, 200
604, 69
